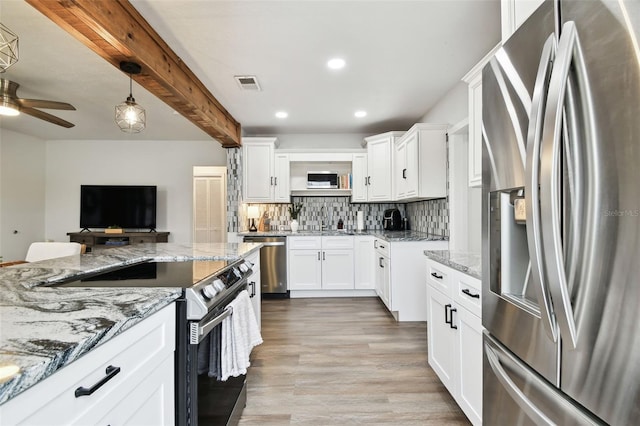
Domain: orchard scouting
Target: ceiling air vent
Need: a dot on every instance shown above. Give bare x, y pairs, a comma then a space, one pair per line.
247, 82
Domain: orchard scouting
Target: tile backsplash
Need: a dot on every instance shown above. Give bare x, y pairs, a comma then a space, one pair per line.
431, 216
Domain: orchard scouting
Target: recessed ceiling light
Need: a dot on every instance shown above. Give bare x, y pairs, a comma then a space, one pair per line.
336, 63
360, 114
282, 114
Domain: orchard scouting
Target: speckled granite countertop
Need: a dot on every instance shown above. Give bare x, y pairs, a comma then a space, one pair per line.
466, 262
45, 328
378, 233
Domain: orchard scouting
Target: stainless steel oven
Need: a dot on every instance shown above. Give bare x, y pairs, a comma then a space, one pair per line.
208, 289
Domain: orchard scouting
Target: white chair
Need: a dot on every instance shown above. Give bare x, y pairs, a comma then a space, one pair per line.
42, 251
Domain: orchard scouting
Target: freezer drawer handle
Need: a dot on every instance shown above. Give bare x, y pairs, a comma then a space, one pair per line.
468, 293
110, 372
534, 413
435, 275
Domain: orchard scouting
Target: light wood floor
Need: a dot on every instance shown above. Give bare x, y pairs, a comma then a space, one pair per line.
343, 362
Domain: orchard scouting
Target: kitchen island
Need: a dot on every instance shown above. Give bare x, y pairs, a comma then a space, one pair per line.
45, 327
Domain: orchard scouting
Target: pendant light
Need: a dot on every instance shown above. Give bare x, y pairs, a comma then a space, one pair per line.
8, 47
130, 116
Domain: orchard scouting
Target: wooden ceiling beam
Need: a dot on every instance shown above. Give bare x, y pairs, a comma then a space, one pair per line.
117, 32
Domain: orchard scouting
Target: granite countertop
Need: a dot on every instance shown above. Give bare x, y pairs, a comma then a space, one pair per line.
465, 262
390, 236
45, 328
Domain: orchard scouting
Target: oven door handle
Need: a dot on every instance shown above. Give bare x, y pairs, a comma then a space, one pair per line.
198, 332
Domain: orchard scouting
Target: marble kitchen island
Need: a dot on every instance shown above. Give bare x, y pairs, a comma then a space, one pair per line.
44, 327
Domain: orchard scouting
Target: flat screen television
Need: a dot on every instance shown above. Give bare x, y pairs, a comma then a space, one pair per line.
125, 206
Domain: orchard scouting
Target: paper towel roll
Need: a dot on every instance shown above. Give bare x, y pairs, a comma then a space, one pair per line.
359, 221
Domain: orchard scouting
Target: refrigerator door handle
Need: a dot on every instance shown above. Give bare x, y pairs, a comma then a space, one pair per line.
569, 52
532, 183
534, 413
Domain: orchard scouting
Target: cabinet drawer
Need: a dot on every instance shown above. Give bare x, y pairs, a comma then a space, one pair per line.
382, 246
440, 277
337, 242
138, 352
142, 239
304, 243
82, 240
468, 292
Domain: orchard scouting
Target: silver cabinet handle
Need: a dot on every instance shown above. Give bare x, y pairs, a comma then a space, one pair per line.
569, 52
532, 183
534, 413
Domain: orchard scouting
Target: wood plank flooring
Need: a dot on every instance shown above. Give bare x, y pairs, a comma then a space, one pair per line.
343, 361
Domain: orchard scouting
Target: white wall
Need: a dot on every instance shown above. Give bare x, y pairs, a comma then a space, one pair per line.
22, 189
166, 164
451, 108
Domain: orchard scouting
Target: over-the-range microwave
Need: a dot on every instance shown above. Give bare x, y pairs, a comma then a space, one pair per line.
322, 180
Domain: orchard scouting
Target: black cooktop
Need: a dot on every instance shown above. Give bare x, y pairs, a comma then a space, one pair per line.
154, 274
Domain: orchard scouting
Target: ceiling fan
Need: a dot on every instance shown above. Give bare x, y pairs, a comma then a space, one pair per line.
11, 104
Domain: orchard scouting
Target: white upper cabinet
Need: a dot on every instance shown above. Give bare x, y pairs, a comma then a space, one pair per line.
265, 174
514, 13
420, 163
359, 190
379, 165
474, 80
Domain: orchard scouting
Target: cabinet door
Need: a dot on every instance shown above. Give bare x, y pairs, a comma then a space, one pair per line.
469, 335
258, 171
364, 264
442, 344
305, 271
360, 185
475, 131
400, 170
412, 158
337, 269
379, 274
379, 168
281, 179
255, 286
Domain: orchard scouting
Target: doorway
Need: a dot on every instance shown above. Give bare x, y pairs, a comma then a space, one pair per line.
209, 204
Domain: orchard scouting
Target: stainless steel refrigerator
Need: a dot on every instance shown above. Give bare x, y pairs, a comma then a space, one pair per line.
561, 218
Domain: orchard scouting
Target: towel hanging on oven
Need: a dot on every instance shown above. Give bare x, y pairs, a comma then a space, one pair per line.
240, 334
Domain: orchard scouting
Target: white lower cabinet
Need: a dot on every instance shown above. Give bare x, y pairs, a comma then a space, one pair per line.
400, 276
321, 263
141, 392
364, 263
255, 289
455, 335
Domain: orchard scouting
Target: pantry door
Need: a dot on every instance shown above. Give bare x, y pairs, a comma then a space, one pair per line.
209, 204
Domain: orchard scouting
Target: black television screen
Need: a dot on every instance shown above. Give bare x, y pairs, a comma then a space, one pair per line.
125, 206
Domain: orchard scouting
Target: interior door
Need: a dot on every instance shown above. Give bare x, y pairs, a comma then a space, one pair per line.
209, 204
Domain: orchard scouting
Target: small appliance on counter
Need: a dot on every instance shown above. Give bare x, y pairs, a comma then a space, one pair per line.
392, 220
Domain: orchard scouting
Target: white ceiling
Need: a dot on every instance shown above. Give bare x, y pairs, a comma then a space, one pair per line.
402, 56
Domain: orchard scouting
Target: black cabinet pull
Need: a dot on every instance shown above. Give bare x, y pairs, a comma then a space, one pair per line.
434, 275
468, 293
111, 372
446, 313
404, 173
452, 310
318, 255
253, 288
323, 258
275, 181
375, 244
380, 262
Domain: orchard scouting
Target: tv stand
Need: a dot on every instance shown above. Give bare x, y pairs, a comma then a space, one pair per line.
92, 239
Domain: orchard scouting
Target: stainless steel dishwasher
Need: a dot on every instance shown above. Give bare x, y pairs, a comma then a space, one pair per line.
273, 265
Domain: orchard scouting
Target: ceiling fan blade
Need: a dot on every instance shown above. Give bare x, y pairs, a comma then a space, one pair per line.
47, 117
40, 103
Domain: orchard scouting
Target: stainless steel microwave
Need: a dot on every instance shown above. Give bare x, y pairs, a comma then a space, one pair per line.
322, 180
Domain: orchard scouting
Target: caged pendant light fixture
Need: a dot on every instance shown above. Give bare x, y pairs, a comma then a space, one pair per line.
8, 47
130, 116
